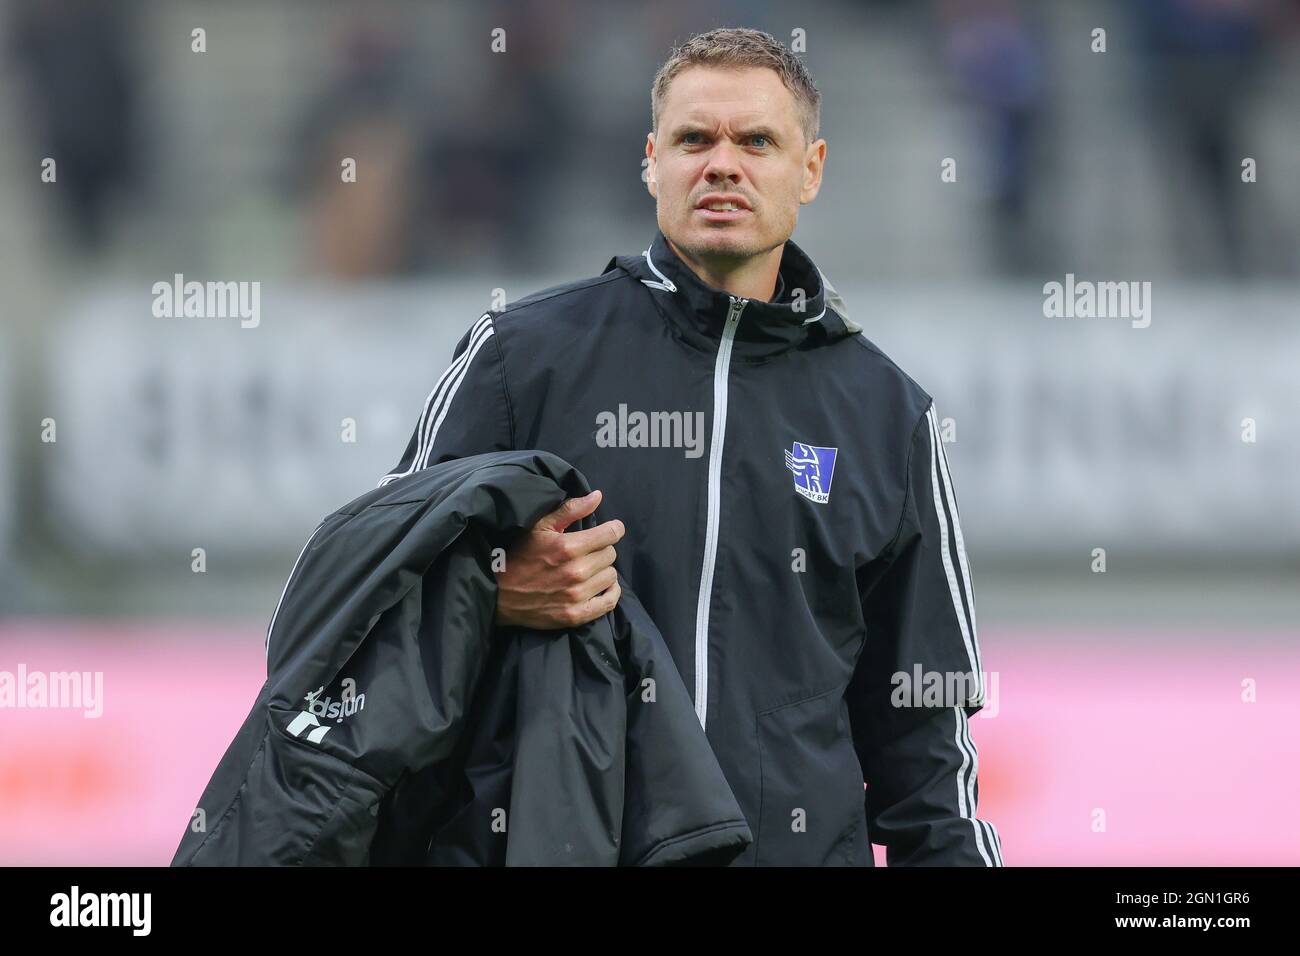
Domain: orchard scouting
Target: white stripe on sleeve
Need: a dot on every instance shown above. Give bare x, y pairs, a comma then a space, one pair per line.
966, 782
439, 398
954, 589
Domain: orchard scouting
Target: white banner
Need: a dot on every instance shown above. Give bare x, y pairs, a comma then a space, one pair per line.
1183, 435
240, 434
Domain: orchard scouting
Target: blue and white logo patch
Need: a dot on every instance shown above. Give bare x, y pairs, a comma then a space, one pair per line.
813, 469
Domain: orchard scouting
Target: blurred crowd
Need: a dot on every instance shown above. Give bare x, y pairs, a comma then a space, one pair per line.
468, 157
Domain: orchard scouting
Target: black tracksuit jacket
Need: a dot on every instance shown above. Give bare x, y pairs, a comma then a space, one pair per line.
398, 726
792, 529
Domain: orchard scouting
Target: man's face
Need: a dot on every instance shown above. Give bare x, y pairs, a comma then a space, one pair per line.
733, 131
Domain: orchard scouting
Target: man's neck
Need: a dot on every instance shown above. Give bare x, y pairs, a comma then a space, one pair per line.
752, 278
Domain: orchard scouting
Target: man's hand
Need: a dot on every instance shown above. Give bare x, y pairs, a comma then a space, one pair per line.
555, 580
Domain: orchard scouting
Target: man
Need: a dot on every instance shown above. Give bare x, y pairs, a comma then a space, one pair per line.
776, 486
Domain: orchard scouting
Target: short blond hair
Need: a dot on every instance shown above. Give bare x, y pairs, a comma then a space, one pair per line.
739, 47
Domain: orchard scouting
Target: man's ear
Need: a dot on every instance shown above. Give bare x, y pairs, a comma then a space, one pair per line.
648, 173
814, 167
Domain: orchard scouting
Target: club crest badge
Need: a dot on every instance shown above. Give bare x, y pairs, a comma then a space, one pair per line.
813, 468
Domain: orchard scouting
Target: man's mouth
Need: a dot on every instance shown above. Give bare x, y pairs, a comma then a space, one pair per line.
722, 210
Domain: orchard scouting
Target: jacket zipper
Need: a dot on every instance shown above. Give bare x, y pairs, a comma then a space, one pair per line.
721, 366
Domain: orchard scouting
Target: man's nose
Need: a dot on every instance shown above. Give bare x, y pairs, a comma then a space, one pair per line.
723, 163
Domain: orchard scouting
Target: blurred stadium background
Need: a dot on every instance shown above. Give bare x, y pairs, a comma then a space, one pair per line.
1144, 715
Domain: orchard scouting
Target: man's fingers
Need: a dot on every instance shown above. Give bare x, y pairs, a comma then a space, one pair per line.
589, 587
601, 604
571, 510
605, 534
586, 566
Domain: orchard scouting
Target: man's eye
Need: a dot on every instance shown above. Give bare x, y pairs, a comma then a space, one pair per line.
686, 138
758, 136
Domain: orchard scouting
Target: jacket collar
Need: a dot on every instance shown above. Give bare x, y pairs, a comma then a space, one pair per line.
805, 304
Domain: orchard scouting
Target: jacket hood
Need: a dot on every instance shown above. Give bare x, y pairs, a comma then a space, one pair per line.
806, 305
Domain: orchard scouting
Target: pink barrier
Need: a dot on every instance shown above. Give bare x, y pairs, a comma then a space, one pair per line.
1138, 749
1135, 750
119, 789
